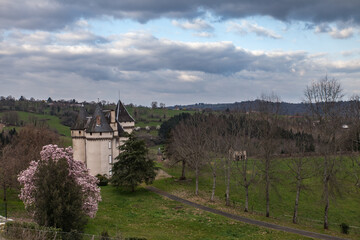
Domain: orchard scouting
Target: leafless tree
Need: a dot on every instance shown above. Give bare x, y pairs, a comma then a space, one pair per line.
214, 129
300, 167
322, 98
25, 147
189, 139
268, 120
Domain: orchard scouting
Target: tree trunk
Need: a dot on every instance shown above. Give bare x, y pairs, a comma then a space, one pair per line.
197, 181
267, 189
246, 198
214, 185
228, 182
297, 201
183, 170
5, 200
326, 194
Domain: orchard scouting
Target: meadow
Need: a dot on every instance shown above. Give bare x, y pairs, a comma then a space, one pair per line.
343, 207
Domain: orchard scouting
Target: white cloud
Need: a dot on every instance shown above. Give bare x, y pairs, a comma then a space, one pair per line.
203, 34
246, 27
342, 32
196, 25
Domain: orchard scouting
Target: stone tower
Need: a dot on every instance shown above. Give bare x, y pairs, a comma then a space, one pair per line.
96, 139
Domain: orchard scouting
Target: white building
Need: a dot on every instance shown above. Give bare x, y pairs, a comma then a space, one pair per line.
96, 138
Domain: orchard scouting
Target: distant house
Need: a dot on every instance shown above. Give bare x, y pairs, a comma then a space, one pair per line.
96, 138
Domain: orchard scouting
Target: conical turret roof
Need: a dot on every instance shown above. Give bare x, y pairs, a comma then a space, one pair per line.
121, 114
98, 122
81, 120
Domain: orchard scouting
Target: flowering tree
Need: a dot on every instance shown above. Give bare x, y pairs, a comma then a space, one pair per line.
77, 170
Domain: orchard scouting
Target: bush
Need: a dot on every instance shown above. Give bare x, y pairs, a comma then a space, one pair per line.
25, 230
105, 235
344, 228
103, 180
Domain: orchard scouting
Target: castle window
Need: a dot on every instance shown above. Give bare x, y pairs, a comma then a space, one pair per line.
79, 132
90, 134
110, 159
109, 144
100, 133
110, 172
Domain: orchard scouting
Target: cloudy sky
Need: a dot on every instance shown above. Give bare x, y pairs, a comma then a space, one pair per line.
176, 52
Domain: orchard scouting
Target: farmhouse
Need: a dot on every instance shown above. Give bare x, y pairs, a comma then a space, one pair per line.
96, 138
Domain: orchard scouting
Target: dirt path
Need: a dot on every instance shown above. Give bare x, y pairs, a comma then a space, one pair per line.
243, 219
161, 174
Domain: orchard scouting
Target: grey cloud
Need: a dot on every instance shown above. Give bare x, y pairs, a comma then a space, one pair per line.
341, 31
145, 68
55, 14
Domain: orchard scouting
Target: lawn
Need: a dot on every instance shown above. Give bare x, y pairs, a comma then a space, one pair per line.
145, 214
343, 209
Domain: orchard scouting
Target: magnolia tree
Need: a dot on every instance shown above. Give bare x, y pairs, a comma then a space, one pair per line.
77, 170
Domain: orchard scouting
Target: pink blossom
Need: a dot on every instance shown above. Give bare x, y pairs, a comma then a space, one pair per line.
77, 170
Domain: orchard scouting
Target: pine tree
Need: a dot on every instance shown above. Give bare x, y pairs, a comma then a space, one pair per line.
133, 166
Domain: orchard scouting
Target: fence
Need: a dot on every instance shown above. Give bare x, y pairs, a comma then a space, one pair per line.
14, 233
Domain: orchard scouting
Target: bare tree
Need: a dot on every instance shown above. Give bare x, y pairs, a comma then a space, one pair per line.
268, 120
244, 166
189, 138
214, 129
25, 147
322, 98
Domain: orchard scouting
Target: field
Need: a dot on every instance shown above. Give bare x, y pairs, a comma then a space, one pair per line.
343, 209
145, 214
52, 121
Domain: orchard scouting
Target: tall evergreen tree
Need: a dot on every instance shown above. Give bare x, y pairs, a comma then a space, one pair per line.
133, 166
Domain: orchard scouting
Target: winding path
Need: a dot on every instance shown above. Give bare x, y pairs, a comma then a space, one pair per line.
244, 219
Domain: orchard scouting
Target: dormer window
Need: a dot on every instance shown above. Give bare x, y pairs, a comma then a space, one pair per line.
98, 121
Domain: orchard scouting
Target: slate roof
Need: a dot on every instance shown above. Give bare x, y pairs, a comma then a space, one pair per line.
121, 114
81, 120
98, 122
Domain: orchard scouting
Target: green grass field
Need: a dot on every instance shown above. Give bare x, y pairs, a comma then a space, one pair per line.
52, 121
151, 117
343, 209
145, 214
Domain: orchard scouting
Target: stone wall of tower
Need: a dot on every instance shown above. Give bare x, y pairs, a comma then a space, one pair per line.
98, 150
78, 141
128, 126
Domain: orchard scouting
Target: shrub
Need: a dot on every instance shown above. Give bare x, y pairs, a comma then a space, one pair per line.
344, 228
103, 180
26, 230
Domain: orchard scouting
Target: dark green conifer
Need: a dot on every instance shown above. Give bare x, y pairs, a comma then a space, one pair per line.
133, 166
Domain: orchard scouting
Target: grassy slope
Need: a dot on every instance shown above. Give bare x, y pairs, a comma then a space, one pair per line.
146, 113
145, 214
53, 122
311, 208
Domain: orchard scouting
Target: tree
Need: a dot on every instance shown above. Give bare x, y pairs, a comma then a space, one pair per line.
322, 98
58, 198
188, 138
269, 110
133, 165
154, 104
31, 180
